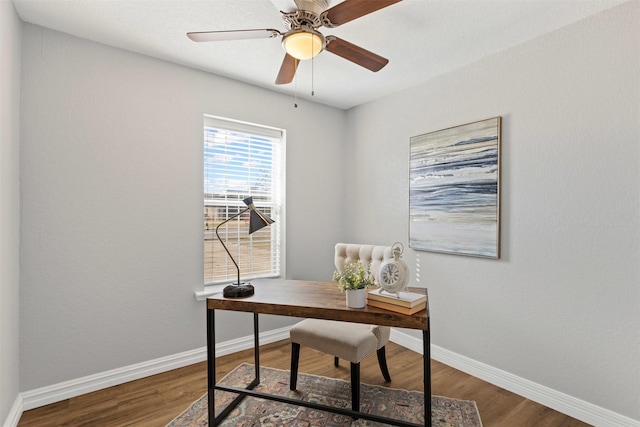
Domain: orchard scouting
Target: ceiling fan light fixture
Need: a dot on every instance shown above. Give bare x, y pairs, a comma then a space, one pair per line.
304, 43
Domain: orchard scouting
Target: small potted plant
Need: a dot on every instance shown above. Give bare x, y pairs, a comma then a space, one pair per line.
354, 279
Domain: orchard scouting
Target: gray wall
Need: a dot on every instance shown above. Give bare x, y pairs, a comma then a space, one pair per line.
111, 171
561, 307
10, 39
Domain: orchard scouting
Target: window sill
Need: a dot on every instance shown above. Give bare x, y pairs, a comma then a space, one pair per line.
207, 291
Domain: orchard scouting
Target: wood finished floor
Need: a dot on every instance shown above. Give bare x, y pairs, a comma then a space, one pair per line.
156, 400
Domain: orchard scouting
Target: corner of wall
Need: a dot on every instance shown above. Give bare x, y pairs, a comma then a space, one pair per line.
10, 78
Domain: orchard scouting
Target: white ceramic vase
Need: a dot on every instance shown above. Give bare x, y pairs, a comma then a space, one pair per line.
356, 298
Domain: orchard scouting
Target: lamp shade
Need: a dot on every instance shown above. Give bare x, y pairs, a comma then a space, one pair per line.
257, 219
303, 43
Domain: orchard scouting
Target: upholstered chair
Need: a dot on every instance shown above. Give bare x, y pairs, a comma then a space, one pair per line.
352, 342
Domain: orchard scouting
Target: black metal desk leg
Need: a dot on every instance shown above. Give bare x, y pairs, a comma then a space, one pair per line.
211, 364
426, 359
256, 346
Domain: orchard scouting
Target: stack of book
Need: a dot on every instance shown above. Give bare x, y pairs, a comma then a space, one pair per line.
405, 303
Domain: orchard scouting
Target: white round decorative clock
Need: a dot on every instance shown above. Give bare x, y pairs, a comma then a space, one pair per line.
393, 275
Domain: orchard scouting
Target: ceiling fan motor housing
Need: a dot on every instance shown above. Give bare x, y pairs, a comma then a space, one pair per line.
301, 18
315, 7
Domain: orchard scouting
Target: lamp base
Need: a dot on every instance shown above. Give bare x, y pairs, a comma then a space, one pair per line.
236, 290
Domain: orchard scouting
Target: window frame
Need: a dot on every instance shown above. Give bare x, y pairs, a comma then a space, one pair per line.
272, 204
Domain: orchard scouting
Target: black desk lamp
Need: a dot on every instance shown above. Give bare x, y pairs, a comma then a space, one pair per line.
257, 221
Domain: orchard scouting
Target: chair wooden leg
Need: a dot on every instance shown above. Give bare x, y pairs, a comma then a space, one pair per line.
295, 357
355, 386
336, 361
382, 361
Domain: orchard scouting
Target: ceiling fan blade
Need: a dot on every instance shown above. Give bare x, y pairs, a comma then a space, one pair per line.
214, 36
355, 54
349, 10
287, 69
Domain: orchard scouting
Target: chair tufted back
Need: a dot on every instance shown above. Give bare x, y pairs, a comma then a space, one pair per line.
347, 253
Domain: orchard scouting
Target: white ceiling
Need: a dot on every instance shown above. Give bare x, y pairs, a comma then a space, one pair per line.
421, 38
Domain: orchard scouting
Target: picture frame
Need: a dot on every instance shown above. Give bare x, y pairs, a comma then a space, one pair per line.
454, 189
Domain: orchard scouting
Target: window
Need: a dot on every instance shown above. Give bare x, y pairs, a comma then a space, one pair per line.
241, 160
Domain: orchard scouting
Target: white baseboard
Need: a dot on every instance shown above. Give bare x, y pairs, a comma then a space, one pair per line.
569, 405
561, 402
68, 389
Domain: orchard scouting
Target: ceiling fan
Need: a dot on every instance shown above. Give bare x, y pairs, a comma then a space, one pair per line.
302, 40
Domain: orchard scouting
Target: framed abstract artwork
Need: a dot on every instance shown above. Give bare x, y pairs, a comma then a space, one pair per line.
454, 190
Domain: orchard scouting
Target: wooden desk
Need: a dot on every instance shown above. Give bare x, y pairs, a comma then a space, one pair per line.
308, 299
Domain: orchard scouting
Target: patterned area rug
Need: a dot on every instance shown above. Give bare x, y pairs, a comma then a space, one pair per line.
384, 401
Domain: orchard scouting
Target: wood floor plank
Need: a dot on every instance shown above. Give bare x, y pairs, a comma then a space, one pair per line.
156, 400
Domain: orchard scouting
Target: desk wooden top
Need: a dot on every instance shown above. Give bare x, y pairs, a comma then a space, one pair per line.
319, 300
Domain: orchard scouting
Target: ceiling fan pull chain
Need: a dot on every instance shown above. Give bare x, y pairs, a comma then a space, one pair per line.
312, 68
295, 92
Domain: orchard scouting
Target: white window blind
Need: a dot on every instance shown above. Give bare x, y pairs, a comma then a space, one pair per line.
241, 160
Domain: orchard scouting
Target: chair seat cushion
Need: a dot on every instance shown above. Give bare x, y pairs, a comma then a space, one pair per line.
348, 341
